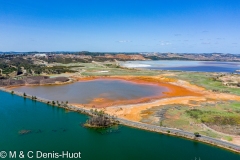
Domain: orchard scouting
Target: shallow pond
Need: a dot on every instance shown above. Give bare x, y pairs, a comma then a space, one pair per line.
86, 91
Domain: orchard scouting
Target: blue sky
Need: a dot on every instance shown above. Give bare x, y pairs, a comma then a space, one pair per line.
183, 26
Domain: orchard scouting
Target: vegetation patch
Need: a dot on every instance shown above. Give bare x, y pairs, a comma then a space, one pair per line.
214, 118
220, 116
59, 69
99, 119
209, 81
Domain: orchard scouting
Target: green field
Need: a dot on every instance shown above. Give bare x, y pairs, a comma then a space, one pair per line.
107, 69
192, 118
206, 80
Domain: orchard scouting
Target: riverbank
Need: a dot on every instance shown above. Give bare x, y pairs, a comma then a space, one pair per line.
164, 130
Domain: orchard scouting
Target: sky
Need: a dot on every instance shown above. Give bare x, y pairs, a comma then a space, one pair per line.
179, 26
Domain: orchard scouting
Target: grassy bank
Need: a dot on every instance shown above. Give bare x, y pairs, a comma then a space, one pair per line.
222, 116
206, 80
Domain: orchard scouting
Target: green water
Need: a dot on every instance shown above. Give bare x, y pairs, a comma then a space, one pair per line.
54, 129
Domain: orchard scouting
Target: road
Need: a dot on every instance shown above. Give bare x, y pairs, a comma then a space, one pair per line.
178, 132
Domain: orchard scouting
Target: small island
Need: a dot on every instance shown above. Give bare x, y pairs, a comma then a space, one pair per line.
99, 119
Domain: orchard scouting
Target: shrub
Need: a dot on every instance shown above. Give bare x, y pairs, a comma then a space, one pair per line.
194, 113
196, 134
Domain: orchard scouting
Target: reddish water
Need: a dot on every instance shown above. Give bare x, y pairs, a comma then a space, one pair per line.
85, 92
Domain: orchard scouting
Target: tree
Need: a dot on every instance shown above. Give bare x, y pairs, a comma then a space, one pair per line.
24, 94
12, 92
238, 84
100, 119
19, 71
161, 123
34, 97
197, 134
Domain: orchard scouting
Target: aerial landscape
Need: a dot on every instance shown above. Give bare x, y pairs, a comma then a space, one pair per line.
120, 80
